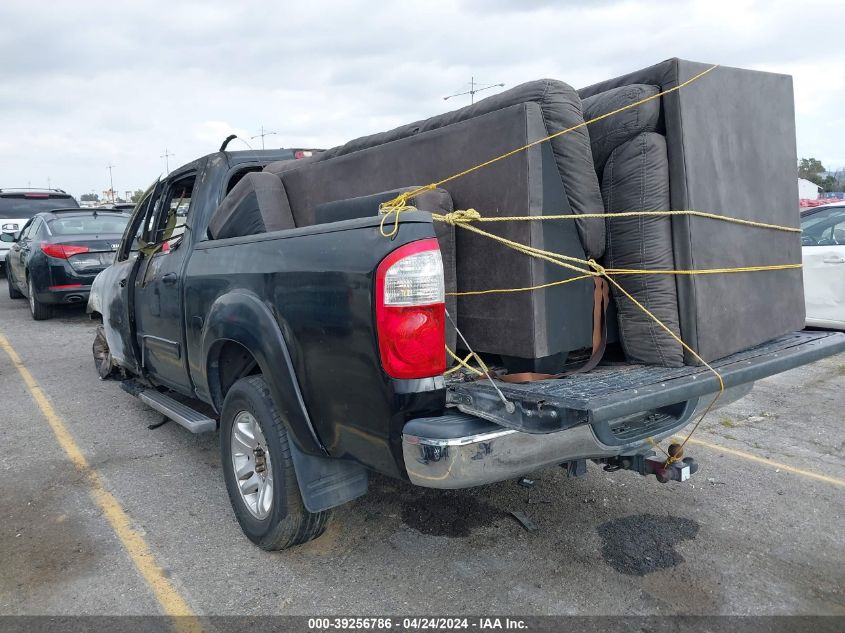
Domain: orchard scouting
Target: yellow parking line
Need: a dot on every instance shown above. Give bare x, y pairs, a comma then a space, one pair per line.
172, 603
768, 462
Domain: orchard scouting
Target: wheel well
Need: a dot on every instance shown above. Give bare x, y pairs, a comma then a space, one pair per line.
228, 363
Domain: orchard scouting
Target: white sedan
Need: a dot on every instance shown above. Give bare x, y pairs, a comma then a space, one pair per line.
823, 252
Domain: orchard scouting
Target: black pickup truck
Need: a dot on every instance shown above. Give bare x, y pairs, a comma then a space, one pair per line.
318, 352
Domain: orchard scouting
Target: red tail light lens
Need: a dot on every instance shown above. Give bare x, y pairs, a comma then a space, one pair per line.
411, 311
63, 251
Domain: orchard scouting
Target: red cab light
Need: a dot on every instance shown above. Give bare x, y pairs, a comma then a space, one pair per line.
411, 311
36, 195
63, 251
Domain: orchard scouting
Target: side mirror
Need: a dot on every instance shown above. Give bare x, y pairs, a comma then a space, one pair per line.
9, 237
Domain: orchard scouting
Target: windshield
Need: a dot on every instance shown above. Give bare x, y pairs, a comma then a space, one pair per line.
22, 207
811, 219
88, 225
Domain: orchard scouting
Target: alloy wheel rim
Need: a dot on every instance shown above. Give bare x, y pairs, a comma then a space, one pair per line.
251, 465
31, 297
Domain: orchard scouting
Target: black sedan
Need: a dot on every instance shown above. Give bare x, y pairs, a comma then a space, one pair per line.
57, 254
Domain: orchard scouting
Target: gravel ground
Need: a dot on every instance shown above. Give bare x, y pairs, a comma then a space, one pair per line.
739, 538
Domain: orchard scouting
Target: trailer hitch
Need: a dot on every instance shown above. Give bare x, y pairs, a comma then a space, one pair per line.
648, 465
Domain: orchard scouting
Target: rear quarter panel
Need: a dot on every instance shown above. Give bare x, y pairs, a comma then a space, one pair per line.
318, 283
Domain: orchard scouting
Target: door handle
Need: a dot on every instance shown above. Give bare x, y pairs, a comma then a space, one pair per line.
169, 279
832, 259
122, 283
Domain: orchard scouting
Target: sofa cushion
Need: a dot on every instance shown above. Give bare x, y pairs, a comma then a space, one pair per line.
636, 178
431, 200
257, 204
609, 133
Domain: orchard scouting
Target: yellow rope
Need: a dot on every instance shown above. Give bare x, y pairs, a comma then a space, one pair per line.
471, 215
461, 363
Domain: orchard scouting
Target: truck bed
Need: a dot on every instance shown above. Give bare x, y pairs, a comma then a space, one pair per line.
626, 401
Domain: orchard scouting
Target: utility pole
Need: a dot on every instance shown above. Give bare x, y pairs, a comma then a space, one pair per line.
166, 156
48, 182
111, 182
262, 135
473, 88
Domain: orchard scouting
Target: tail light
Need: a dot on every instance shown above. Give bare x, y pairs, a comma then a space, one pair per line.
411, 311
63, 251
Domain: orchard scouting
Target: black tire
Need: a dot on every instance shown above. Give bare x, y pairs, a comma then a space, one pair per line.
102, 355
40, 311
288, 523
14, 293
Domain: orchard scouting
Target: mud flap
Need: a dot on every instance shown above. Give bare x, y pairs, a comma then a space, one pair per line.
325, 482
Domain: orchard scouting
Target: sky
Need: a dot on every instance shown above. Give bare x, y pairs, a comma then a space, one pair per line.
86, 84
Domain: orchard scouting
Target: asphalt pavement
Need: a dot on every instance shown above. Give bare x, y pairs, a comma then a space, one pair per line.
743, 536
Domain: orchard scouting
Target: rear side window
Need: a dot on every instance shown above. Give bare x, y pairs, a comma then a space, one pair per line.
824, 228
23, 206
89, 225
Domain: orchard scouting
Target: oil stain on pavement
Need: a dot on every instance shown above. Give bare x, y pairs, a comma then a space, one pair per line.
644, 543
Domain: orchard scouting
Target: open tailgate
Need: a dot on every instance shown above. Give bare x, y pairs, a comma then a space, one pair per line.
638, 399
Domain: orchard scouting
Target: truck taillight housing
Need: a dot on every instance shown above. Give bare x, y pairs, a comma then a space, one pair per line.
411, 311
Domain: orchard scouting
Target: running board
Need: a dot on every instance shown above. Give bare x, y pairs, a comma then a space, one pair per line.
182, 414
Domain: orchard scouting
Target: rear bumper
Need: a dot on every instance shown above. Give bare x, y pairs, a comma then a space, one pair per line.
461, 451
492, 453
69, 295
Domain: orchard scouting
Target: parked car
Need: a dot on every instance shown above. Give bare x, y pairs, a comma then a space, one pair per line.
17, 206
320, 349
57, 254
823, 253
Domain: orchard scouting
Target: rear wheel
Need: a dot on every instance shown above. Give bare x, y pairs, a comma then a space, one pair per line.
259, 471
102, 355
40, 311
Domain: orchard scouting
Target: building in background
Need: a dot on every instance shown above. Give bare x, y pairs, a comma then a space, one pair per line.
807, 189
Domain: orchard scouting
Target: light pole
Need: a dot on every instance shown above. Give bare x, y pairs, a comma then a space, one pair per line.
111, 182
473, 89
166, 156
262, 135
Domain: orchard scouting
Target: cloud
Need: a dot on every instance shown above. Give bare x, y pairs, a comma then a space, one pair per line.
87, 83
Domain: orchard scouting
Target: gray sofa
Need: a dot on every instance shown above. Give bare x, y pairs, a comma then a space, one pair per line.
724, 144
